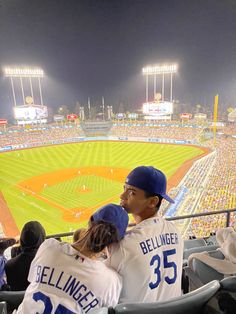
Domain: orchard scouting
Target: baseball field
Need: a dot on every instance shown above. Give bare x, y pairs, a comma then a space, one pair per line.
62, 185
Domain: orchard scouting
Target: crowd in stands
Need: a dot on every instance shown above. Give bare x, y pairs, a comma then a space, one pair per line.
46, 135
230, 129
211, 184
39, 136
170, 132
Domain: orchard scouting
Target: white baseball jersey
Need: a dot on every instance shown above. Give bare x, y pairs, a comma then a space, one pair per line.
149, 259
64, 281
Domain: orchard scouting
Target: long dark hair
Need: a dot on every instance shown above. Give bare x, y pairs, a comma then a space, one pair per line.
99, 235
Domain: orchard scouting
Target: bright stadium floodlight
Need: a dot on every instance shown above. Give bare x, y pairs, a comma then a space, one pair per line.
23, 72
160, 69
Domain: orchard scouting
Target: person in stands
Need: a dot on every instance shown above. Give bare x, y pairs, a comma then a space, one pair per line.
17, 268
73, 278
150, 256
4, 244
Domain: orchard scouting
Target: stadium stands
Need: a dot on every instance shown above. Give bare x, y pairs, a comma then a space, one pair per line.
148, 130
40, 136
208, 186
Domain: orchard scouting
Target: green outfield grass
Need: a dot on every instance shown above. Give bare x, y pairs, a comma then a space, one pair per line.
18, 166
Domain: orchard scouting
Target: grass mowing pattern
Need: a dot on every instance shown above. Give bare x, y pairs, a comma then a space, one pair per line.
67, 193
18, 166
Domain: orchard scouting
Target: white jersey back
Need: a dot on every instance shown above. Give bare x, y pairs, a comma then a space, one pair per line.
65, 281
149, 259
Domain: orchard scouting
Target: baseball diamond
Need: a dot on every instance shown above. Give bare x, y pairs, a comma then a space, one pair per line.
62, 185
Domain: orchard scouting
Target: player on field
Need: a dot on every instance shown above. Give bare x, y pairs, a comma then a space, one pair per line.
149, 258
73, 278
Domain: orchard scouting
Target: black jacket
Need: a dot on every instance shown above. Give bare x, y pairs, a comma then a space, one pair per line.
17, 268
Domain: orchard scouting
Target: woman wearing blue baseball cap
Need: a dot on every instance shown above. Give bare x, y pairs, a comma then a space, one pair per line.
71, 278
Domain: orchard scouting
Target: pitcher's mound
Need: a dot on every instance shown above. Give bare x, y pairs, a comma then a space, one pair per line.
83, 190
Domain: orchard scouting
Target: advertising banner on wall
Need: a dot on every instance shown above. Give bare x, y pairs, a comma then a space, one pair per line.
132, 116
186, 116
72, 116
120, 115
3, 121
58, 117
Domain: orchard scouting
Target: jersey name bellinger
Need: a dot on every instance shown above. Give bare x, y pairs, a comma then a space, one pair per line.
153, 243
69, 284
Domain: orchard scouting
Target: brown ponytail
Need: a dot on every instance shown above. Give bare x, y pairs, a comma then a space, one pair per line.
99, 235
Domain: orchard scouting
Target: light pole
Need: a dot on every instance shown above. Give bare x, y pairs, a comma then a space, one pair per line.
24, 72
160, 69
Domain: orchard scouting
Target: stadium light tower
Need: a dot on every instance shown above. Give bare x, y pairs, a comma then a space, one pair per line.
160, 69
24, 72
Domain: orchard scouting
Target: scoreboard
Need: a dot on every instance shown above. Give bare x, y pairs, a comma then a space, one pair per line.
158, 108
30, 113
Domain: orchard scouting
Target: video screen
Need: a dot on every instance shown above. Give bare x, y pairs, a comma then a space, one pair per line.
30, 112
161, 108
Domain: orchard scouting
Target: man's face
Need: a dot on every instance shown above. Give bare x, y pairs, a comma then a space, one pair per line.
134, 200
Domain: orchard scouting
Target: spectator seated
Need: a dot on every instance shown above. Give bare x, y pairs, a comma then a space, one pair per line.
17, 268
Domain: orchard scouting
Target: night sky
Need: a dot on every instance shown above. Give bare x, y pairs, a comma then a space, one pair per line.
96, 48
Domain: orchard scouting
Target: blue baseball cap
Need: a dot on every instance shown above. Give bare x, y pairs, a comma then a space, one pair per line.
150, 180
114, 214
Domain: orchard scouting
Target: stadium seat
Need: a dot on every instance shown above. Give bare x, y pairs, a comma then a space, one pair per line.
3, 308
192, 302
198, 249
224, 301
194, 243
228, 283
12, 298
202, 273
211, 240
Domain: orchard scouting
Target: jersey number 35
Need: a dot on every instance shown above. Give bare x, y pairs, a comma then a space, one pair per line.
156, 261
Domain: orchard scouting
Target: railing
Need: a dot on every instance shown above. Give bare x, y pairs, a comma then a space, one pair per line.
225, 211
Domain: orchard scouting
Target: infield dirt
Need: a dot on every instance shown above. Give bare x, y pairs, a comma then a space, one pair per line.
35, 185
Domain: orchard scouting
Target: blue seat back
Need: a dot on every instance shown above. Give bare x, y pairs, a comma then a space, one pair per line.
192, 303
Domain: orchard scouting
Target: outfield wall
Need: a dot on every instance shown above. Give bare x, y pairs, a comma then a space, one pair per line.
99, 138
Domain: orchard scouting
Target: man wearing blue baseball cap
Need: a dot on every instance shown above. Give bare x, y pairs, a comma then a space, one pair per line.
150, 256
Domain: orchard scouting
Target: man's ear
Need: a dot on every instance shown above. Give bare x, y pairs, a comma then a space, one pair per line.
154, 201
